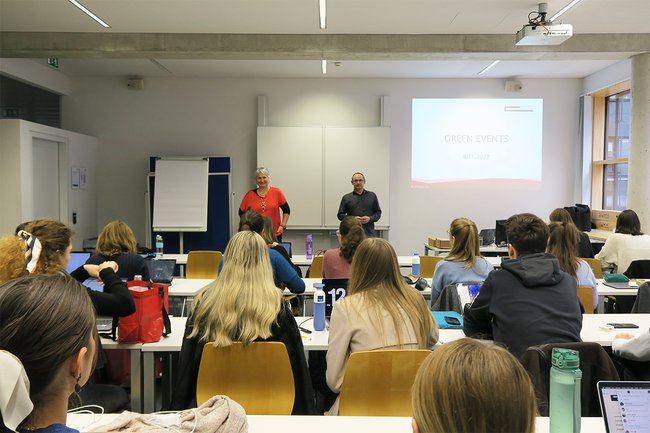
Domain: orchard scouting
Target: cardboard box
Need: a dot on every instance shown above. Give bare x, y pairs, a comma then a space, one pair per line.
440, 243
605, 225
604, 215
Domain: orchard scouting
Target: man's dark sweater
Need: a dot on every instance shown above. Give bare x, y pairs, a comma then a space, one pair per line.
529, 301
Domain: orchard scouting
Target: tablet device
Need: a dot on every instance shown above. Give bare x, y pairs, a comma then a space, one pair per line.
624, 406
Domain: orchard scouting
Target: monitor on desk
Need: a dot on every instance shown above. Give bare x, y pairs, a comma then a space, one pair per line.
500, 239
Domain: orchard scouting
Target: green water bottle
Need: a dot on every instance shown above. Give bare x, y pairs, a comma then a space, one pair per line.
564, 396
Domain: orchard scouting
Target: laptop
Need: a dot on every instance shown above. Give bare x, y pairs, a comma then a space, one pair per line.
335, 289
77, 258
161, 270
622, 285
468, 292
104, 323
625, 406
287, 247
94, 284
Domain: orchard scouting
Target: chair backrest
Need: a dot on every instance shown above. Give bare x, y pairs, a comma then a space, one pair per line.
316, 268
428, 265
378, 382
595, 364
235, 371
586, 296
203, 264
638, 269
595, 266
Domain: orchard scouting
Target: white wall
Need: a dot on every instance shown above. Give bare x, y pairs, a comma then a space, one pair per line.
16, 176
174, 116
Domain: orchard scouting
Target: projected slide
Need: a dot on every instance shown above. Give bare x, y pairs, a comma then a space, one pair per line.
476, 141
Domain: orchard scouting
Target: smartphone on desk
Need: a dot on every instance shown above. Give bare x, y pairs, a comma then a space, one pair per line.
623, 325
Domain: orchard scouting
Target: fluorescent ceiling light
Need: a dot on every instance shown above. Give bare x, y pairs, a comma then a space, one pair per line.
90, 14
490, 66
563, 10
322, 13
323, 65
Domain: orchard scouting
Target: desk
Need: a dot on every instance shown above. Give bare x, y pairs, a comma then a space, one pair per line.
486, 250
599, 235
604, 291
324, 424
302, 260
188, 287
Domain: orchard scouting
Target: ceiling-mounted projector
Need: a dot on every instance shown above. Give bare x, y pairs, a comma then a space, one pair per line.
546, 34
539, 31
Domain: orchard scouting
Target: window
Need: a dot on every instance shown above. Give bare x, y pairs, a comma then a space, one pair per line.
611, 147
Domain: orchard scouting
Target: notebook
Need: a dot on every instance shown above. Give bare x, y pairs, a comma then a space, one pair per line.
335, 289
625, 406
77, 258
161, 270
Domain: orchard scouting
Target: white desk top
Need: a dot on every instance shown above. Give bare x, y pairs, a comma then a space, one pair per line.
604, 290
325, 424
188, 287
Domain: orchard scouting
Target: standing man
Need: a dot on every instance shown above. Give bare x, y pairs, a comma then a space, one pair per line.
362, 204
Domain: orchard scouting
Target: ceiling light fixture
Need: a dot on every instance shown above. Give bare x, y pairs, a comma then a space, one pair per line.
564, 9
488, 67
323, 65
90, 14
322, 13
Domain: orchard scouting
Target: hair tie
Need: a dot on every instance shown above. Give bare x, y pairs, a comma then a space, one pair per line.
33, 252
15, 404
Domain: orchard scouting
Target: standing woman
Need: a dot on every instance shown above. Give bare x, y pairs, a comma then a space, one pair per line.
563, 244
464, 264
244, 306
337, 262
267, 201
117, 243
626, 244
380, 312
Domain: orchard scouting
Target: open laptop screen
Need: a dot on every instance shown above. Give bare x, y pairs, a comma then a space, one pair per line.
335, 289
625, 406
287, 247
77, 258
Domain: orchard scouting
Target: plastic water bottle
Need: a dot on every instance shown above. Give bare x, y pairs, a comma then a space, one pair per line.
564, 395
415, 270
159, 246
319, 307
309, 247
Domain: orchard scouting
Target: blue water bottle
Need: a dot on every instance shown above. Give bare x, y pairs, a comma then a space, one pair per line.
415, 270
564, 395
319, 307
309, 247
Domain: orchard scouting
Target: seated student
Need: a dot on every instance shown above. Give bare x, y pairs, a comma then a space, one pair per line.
626, 244
635, 349
529, 301
563, 243
244, 306
469, 386
268, 234
464, 263
336, 262
117, 243
47, 324
55, 240
283, 272
380, 312
585, 250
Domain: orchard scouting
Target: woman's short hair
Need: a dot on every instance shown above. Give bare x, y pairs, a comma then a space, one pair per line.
116, 238
465, 246
628, 223
473, 386
12, 258
245, 302
44, 320
251, 221
352, 235
55, 238
268, 233
262, 170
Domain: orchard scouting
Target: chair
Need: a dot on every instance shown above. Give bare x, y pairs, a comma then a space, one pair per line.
236, 371
595, 266
638, 269
378, 383
586, 296
203, 264
428, 265
316, 268
595, 364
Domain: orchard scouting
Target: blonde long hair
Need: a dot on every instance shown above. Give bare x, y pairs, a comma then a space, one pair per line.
473, 386
375, 278
465, 246
245, 303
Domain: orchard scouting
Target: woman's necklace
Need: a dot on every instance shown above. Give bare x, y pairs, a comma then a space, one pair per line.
262, 195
